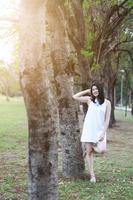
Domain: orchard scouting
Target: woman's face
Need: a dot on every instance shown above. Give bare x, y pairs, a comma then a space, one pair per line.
95, 91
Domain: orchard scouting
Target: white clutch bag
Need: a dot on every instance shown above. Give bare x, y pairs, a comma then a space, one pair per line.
100, 147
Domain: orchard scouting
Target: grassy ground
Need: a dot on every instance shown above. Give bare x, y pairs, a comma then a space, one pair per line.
13, 145
114, 169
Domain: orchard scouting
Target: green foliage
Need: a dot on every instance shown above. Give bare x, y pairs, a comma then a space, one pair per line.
130, 3
9, 79
86, 53
90, 40
86, 4
95, 16
89, 3
95, 66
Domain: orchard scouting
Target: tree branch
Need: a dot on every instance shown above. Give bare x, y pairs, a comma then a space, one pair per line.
122, 42
128, 51
121, 5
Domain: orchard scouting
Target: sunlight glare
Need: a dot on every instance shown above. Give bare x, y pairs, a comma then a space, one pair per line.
8, 9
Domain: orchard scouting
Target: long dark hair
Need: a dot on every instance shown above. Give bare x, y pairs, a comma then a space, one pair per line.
100, 90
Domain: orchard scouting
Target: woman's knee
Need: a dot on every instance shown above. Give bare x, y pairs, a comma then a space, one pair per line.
89, 152
89, 149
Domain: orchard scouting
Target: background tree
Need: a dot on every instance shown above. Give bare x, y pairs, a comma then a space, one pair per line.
60, 48
104, 20
9, 80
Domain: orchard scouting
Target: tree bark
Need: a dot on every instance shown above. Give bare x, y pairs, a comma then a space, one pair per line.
36, 78
72, 159
85, 76
111, 87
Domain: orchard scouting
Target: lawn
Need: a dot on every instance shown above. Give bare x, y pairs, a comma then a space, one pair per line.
13, 149
114, 170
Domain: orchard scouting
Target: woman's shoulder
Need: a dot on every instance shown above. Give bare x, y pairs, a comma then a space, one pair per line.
107, 101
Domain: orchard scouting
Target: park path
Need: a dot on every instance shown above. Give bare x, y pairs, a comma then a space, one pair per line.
120, 141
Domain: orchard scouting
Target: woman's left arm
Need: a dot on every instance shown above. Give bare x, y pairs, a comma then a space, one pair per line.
107, 119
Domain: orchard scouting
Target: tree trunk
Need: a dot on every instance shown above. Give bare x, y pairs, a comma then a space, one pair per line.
85, 76
36, 78
111, 87
72, 159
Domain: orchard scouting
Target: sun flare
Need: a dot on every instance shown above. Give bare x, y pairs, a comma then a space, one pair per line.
8, 10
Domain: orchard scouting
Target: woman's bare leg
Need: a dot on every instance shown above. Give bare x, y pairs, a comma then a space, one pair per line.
89, 157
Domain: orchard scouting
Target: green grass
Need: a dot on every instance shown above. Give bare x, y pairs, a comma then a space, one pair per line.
13, 149
13, 125
114, 169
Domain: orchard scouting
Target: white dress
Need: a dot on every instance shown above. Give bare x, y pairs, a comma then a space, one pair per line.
94, 122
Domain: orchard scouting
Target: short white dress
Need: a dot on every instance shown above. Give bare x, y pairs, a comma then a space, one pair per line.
94, 122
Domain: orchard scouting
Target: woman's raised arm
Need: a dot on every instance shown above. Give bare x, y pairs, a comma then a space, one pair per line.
80, 96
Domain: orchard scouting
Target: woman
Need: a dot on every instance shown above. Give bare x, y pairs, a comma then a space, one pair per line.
96, 121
